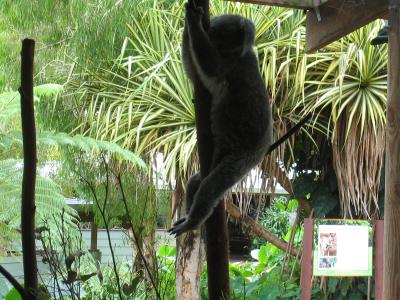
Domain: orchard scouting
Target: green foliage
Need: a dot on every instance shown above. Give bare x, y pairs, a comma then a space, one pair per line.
263, 279
65, 32
166, 271
321, 192
276, 218
10, 104
13, 294
133, 283
49, 200
344, 288
108, 184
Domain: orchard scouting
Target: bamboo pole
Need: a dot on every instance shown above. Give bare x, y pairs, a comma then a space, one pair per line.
391, 282
29, 173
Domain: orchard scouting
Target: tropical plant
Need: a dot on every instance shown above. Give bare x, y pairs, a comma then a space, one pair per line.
351, 92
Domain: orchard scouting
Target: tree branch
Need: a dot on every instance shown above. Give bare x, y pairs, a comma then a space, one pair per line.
257, 230
13, 281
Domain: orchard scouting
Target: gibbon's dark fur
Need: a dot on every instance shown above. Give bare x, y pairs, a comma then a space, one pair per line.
241, 118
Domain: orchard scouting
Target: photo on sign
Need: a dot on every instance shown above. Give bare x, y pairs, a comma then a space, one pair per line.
327, 244
327, 262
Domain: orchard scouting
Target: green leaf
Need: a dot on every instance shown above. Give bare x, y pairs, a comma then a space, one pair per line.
164, 251
13, 294
263, 255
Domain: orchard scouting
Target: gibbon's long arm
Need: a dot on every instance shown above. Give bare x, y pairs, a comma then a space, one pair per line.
204, 55
289, 133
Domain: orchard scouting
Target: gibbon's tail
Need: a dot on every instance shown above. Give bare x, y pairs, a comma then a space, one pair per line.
289, 133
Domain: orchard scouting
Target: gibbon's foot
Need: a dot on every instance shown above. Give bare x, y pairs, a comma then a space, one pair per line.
181, 226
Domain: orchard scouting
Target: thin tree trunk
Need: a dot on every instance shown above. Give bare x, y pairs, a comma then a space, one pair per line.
189, 262
147, 244
29, 174
189, 258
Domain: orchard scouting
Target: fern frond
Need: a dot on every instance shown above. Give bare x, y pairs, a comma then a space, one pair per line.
49, 201
90, 144
78, 141
47, 90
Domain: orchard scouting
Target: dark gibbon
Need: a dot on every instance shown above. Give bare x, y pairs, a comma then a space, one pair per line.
241, 120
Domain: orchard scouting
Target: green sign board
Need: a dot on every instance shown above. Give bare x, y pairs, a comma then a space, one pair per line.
342, 248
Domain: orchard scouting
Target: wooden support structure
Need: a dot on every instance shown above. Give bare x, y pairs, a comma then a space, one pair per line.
306, 260
93, 235
379, 232
29, 172
391, 282
338, 18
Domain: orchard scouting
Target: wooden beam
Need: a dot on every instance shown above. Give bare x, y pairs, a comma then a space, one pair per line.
338, 18
379, 233
306, 260
302, 4
391, 268
93, 235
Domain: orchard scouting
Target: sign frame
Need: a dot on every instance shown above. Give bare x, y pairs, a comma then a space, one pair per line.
343, 248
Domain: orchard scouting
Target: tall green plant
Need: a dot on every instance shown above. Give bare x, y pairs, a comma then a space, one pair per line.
352, 92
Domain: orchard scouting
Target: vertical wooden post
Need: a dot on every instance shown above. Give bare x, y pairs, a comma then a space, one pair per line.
391, 278
93, 235
379, 232
29, 174
216, 226
306, 261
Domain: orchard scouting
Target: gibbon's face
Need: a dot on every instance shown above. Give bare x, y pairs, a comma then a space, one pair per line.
227, 33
